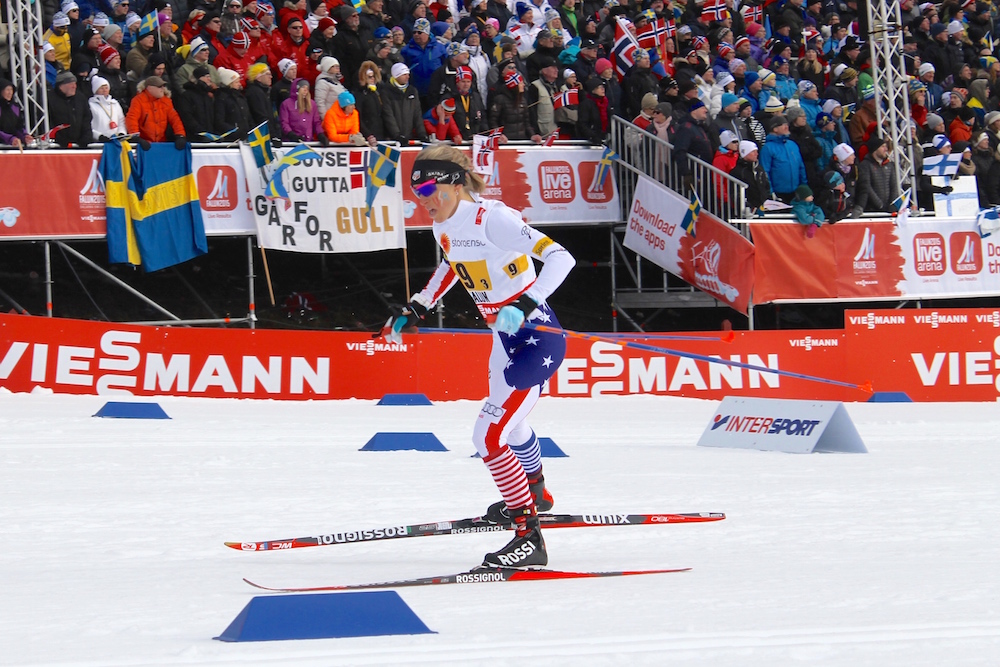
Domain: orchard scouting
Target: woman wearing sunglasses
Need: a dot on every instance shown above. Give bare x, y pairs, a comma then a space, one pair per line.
489, 249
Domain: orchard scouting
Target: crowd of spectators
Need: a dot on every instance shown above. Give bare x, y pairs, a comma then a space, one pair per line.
779, 107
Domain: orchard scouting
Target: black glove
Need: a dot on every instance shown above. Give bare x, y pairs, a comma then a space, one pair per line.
291, 136
323, 141
688, 184
275, 142
180, 141
144, 145
947, 190
406, 317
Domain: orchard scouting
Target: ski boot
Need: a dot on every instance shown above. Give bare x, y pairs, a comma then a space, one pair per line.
498, 512
527, 549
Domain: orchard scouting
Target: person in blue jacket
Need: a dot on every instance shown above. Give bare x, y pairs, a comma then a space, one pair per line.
809, 101
423, 56
781, 159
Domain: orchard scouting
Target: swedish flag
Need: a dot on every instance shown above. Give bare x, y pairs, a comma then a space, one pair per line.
260, 144
358, 4
275, 188
298, 154
150, 24
216, 137
690, 221
381, 171
154, 216
604, 167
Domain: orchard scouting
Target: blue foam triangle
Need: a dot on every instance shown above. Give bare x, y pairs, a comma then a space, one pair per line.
118, 410
329, 615
391, 442
405, 399
890, 397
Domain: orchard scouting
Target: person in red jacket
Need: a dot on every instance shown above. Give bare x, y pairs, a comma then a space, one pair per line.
237, 56
291, 45
725, 159
259, 46
152, 115
439, 121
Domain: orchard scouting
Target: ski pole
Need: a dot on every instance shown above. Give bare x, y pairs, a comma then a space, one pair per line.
866, 386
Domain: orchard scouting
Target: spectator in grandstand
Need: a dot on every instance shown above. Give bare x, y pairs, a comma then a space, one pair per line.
106, 116
197, 56
992, 124
322, 35
612, 89
119, 16
751, 91
209, 26
782, 161
567, 116
749, 171
112, 36
329, 84
833, 197
725, 160
85, 55
439, 122
318, 10
594, 119
862, 126
153, 116
983, 157
231, 110
806, 211
237, 57
69, 107
12, 127
479, 61
341, 123
755, 130
826, 135
138, 55
401, 103
58, 36
785, 86
258, 96
111, 71
877, 187
381, 54
52, 66
811, 68
728, 119
470, 112
845, 89
195, 104
691, 138
961, 127
299, 116
637, 82
723, 84
510, 110
282, 89
585, 62
348, 46
442, 83
540, 96
368, 98
645, 117
809, 147
423, 56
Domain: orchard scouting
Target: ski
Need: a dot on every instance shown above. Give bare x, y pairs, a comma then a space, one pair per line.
473, 525
479, 576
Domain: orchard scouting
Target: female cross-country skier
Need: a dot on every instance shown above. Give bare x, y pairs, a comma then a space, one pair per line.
488, 248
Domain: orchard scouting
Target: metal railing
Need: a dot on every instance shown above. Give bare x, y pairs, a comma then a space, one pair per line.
641, 152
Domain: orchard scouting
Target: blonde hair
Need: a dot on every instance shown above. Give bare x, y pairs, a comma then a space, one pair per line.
473, 181
369, 65
303, 105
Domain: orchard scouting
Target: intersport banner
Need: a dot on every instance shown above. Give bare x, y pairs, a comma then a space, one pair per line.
326, 211
867, 259
547, 185
715, 258
930, 355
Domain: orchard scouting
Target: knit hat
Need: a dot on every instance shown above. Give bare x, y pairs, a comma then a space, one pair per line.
463, 73
65, 77
741, 41
729, 98
593, 83
522, 8
448, 104
201, 71
937, 29
776, 122
868, 93
727, 137
735, 64
601, 65
724, 79
639, 54
875, 143
422, 25
747, 147
980, 138
649, 101
832, 179
285, 64
227, 76
697, 104
98, 81
665, 108
933, 120
256, 70
67, 6
455, 49
107, 53
248, 23
700, 43
241, 40
109, 31
925, 68
100, 20
512, 79
345, 99
794, 113
197, 46
991, 118
842, 151
805, 85
326, 63
774, 105
381, 32
830, 105
60, 20
750, 78
398, 70
955, 27
802, 192
766, 77
822, 120
551, 15
778, 61
567, 73
725, 49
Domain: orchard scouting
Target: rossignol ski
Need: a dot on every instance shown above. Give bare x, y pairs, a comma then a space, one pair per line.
478, 576
474, 525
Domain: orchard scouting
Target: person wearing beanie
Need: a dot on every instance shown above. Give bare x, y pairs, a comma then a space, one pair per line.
195, 104
804, 137
442, 82
329, 84
691, 138
785, 86
751, 91
877, 187
110, 70
753, 129
237, 57
258, 96
349, 45
992, 125
209, 27
806, 212
961, 128
197, 56
68, 106
107, 116
844, 89
825, 131
231, 110
594, 121
509, 110
982, 157
781, 159
13, 131
723, 84
863, 121
403, 117
423, 56
58, 36
120, 17
317, 12
470, 112
299, 116
645, 117
341, 123
749, 171
833, 197
153, 117
725, 159
439, 122
728, 117
322, 36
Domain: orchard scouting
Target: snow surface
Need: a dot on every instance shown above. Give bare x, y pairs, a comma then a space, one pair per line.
112, 535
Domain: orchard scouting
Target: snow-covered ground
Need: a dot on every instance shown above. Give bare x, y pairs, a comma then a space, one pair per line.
113, 532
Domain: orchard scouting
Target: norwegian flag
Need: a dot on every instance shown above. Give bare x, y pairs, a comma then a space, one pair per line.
654, 35
624, 48
358, 162
492, 141
483, 158
566, 98
551, 139
715, 10
752, 13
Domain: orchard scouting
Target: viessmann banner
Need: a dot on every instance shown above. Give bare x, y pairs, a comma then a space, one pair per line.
930, 355
922, 258
59, 194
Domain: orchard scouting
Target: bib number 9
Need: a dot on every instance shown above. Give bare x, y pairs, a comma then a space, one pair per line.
474, 275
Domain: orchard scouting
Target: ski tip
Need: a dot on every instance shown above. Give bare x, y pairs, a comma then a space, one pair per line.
235, 545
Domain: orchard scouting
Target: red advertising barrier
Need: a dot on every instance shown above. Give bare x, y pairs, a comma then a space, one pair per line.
951, 355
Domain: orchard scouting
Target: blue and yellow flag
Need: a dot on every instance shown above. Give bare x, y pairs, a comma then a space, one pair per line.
690, 221
260, 144
150, 24
216, 137
275, 188
298, 154
154, 216
358, 4
604, 167
381, 171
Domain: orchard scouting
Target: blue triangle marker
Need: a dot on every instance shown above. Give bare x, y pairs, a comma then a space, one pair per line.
391, 442
118, 410
405, 399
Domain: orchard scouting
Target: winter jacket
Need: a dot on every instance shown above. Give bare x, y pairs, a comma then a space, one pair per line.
877, 187
154, 119
836, 205
511, 112
299, 126
234, 61
724, 160
755, 131
11, 119
691, 139
811, 151
328, 89
196, 107
231, 111
813, 108
441, 129
827, 141
73, 111
635, 85
589, 125
807, 212
349, 49
470, 115
782, 161
540, 105
758, 185
105, 111
785, 87
258, 98
402, 116
371, 113
423, 61
339, 126
185, 71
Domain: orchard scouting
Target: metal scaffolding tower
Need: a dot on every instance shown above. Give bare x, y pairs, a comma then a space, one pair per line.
885, 42
24, 21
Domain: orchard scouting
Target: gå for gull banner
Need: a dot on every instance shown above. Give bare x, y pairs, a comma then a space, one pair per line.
326, 211
710, 255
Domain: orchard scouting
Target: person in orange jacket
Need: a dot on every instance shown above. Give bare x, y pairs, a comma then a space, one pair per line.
341, 123
152, 114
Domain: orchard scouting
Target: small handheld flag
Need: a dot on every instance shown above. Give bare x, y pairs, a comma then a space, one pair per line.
260, 144
690, 221
604, 167
382, 166
216, 137
942, 165
566, 98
